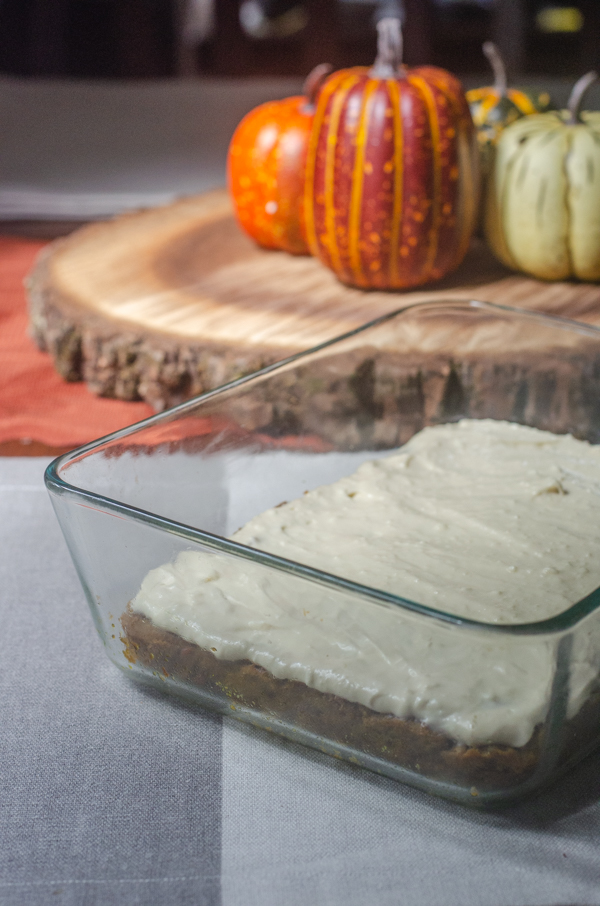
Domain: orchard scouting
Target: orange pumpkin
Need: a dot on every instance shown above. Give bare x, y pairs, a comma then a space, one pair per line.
392, 175
265, 168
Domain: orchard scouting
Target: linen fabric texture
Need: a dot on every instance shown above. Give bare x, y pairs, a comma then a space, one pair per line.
114, 794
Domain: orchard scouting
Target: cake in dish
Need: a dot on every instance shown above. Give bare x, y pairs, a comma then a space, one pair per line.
490, 521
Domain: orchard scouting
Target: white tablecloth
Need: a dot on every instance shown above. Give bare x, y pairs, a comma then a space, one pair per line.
111, 794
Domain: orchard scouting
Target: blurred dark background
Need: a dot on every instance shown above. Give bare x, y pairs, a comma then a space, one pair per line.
132, 39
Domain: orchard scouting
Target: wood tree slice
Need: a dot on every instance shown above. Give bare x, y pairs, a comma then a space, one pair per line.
164, 304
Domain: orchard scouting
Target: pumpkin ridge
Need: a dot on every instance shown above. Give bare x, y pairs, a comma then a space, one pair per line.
478, 93
539, 205
467, 189
466, 194
311, 160
396, 98
451, 89
354, 219
521, 101
496, 211
329, 180
594, 135
487, 104
434, 128
515, 184
512, 177
556, 134
467, 197
568, 205
584, 200
590, 172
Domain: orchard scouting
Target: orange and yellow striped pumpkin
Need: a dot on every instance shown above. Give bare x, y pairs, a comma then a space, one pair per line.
392, 177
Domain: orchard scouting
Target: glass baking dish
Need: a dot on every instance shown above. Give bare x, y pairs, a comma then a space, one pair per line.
173, 488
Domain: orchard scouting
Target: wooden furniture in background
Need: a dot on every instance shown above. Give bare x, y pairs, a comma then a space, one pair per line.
339, 33
88, 38
144, 38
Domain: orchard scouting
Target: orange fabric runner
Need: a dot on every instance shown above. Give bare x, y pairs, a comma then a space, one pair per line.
35, 403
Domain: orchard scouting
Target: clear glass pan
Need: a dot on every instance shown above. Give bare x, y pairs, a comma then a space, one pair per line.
178, 484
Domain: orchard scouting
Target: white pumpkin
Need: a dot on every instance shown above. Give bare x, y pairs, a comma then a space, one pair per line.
542, 211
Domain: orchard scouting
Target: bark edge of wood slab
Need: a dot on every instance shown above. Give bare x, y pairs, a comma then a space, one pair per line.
166, 303
118, 357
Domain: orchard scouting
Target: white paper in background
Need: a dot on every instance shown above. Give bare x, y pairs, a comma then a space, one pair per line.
85, 150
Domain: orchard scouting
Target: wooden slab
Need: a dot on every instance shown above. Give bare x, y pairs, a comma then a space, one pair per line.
164, 304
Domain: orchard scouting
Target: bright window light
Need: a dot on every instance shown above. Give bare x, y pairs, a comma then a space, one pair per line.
565, 19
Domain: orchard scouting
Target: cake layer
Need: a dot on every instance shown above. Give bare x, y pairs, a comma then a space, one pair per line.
293, 705
488, 520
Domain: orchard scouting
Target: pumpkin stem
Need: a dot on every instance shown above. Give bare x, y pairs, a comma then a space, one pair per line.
388, 64
579, 89
312, 85
497, 64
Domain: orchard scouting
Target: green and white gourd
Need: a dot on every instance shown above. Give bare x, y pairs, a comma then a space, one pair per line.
543, 203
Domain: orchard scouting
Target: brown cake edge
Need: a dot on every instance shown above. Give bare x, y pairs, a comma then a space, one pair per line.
407, 743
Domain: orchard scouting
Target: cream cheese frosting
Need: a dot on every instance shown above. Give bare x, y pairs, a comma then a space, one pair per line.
487, 520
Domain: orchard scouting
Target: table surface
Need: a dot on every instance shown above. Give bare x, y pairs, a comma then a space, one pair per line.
112, 794
75, 150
